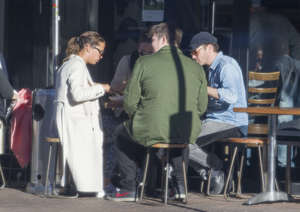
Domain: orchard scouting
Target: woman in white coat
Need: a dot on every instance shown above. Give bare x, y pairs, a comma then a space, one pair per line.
78, 116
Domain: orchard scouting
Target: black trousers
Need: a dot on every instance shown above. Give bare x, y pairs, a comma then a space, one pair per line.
130, 156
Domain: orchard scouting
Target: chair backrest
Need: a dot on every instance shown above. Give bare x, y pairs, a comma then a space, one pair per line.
262, 91
268, 83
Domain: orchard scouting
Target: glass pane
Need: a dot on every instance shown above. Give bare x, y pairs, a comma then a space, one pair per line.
273, 38
274, 44
223, 17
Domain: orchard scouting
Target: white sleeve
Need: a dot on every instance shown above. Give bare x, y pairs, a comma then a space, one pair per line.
77, 86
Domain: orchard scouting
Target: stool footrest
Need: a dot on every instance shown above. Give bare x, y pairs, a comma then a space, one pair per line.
166, 145
52, 140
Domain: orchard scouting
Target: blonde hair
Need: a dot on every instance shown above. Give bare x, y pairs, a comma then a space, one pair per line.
76, 44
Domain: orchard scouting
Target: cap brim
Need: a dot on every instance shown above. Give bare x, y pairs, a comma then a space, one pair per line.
192, 47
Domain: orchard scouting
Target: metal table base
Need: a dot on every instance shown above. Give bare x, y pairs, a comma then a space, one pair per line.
275, 196
270, 195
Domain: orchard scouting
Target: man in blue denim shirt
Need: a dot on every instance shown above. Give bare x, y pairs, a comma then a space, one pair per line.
225, 90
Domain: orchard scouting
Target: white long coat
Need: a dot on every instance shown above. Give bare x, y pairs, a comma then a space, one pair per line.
78, 120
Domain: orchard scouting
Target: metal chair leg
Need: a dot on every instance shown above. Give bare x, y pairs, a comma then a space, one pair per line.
201, 186
230, 171
261, 169
3, 178
185, 182
208, 183
47, 173
240, 174
166, 177
145, 174
288, 170
276, 185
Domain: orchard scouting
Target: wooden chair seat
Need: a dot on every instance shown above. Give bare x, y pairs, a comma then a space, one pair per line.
251, 141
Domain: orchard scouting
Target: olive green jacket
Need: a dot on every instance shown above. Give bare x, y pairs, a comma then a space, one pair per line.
165, 98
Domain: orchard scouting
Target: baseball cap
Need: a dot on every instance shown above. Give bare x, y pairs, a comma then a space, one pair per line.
202, 38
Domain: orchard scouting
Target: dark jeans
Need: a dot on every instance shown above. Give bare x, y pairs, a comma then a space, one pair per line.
131, 155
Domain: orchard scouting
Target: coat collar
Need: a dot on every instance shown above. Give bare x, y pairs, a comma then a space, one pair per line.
169, 48
216, 61
89, 78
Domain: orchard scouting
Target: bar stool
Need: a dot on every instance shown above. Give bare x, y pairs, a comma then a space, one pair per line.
165, 168
51, 141
246, 143
249, 143
2, 178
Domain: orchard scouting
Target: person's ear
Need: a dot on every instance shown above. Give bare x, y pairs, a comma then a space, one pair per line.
164, 40
87, 48
209, 47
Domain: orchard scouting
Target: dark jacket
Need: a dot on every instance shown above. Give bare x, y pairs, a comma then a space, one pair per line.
165, 98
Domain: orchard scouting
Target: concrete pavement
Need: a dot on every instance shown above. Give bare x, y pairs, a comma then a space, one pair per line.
12, 200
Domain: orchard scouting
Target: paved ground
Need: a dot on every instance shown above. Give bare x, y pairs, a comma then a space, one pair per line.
12, 200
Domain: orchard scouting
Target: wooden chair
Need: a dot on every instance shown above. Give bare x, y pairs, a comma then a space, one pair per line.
165, 168
262, 95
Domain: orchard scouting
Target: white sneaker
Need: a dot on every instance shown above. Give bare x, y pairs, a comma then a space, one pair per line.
100, 195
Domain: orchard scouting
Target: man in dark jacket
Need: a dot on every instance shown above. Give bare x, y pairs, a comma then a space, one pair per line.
164, 99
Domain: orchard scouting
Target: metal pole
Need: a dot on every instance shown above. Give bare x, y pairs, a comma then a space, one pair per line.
272, 152
213, 16
55, 36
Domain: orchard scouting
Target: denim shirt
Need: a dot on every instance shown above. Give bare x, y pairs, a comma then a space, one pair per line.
225, 74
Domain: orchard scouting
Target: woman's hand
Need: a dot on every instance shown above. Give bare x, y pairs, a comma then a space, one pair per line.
106, 87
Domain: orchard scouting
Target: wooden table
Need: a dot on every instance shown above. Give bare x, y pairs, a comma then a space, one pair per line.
270, 195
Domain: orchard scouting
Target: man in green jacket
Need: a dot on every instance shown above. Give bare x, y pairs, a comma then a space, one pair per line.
164, 99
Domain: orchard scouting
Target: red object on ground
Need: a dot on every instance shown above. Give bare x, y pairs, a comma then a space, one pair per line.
21, 127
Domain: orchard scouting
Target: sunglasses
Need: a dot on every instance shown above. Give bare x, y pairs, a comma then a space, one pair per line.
195, 52
101, 52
